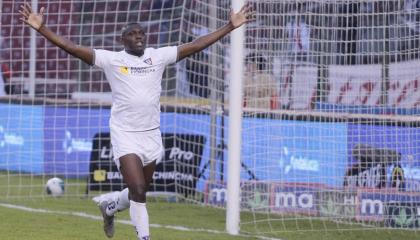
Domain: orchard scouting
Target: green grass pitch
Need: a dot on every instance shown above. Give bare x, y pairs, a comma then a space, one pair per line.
47, 218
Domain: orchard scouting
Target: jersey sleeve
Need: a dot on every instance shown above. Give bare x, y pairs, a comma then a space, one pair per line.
169, 54
102, 57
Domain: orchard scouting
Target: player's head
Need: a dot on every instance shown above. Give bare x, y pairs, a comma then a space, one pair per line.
133, 38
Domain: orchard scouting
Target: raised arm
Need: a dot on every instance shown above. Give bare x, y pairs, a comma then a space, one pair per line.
36, 21
236, 20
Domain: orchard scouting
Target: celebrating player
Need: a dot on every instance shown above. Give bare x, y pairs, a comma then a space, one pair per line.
135, 76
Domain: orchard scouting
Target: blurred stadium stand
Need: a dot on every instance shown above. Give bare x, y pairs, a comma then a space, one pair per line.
347, 33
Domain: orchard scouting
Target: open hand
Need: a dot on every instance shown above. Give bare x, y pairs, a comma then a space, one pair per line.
246, 14
35, 20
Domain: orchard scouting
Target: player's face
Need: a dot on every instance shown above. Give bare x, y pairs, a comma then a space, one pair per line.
133, 40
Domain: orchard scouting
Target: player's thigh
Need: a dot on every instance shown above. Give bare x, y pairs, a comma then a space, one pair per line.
148, 172
131, 168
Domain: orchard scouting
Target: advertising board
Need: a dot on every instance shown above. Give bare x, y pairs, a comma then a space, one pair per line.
68, 138
21, 138
294, 151
372, 205
383, 157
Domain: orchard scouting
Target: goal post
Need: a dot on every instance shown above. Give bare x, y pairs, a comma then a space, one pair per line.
235, 126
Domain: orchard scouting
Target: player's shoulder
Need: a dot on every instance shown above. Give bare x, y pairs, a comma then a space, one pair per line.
107, 53
159, 49
161, 53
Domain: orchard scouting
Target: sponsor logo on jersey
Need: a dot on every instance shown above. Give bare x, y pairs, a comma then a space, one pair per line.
141, 70
148, 61
137, 71
124, 70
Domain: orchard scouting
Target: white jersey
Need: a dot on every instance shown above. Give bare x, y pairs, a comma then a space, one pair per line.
136, 86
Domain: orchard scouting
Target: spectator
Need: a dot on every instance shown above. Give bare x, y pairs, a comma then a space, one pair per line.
2, 86
260, 87
5, 82
197, 68
298, 33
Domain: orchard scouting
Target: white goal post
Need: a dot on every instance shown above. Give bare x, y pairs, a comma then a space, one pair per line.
235, 125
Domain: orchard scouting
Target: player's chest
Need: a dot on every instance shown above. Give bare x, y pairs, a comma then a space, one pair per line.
141, 68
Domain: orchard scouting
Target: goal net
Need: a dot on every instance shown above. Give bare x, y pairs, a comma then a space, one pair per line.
330, 134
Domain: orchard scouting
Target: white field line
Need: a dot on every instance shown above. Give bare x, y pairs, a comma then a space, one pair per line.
99, 218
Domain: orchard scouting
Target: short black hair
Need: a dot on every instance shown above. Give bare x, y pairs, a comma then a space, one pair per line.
128, 26
257, 59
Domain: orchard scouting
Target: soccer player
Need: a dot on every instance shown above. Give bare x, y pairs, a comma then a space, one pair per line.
135, 76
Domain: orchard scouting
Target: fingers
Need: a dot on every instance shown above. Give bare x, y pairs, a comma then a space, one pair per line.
29, 8
41, 11
25, 10
23, 20
248, 12
246, 8
251, 15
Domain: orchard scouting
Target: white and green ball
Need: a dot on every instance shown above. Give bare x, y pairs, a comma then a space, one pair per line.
55, 187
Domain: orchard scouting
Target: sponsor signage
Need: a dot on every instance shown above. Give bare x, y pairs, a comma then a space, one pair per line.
383, 157
21, 138
178, 170
403, 215
404, 91
294, 198
299, 87
295, 151
255, 195
337, 203
69, 134
355, 85
411, 184
369, 167
371, 205
103, 173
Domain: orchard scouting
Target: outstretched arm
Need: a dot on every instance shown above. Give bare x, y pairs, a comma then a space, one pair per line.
36, 21
236, 20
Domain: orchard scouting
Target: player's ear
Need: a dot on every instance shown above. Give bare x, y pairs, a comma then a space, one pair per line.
120, 39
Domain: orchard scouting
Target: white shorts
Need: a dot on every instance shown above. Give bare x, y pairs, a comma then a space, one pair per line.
146, 145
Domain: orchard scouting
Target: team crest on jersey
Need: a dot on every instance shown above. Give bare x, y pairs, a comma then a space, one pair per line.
124, 70
148, 61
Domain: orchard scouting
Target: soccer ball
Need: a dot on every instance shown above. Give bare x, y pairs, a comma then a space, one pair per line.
55, 187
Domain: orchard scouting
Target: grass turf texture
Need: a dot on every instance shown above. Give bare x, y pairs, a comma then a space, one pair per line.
29, 192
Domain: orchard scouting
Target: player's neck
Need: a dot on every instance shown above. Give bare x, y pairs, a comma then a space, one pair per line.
135, 53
